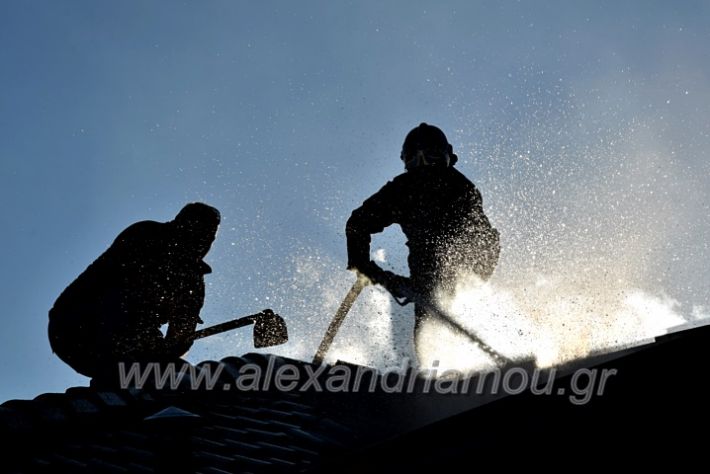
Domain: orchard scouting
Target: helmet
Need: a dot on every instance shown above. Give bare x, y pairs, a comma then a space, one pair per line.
427, 145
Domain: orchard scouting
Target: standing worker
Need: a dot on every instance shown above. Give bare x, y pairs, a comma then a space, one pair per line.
440, 212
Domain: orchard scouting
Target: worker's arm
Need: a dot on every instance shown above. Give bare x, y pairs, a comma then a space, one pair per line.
484, 238
178, 339
379, 211
185, 310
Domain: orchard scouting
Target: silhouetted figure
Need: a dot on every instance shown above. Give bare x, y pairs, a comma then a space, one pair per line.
440, 212
152, 274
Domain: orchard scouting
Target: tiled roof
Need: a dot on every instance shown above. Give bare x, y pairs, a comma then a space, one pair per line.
100, 429
90, 429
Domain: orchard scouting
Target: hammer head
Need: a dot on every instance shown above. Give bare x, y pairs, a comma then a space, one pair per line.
269, 330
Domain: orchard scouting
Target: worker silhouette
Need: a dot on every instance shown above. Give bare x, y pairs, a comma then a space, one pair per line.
441, 214
152, 274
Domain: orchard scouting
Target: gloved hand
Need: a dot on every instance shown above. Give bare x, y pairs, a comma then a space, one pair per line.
178, 338
399, 286
368, 269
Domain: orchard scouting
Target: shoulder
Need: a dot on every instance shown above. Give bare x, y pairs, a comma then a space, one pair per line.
391, 189
465, 185
142, 228
404, 181
141, 232
461, 178
456, 174
395, 183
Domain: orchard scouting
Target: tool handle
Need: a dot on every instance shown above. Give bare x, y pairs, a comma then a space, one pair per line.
229, 325
443, 316
361, 282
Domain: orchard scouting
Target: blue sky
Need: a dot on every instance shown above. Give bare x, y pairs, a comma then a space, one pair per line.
287, 115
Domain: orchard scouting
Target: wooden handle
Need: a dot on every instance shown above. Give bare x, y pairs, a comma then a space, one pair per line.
361, 282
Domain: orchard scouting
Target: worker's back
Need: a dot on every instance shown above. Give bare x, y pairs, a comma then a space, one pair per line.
436, 206
117, 279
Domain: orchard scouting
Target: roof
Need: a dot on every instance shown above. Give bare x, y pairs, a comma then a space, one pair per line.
187, 429
657, 409
94, 429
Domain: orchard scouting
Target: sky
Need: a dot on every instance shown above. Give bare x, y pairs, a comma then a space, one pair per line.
584, 125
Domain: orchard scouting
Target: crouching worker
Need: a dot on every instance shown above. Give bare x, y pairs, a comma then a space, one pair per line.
152, 274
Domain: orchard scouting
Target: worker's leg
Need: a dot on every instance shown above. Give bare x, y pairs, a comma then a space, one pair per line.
72, 345
138, 351
421, 319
